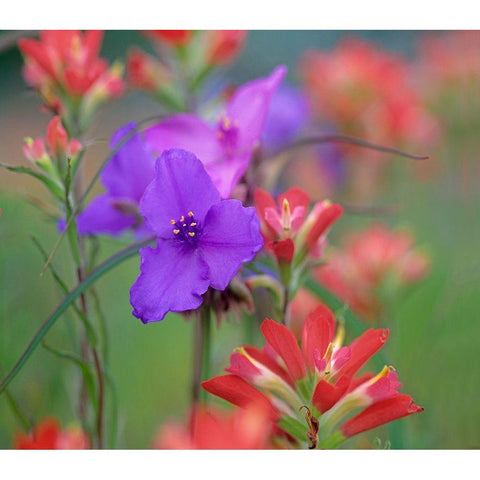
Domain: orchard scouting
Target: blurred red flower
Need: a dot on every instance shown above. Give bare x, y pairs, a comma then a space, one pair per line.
376, 258
214, 429
48, 435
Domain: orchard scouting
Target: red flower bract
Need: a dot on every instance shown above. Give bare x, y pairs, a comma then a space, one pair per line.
48, 435
249, 428
319, 376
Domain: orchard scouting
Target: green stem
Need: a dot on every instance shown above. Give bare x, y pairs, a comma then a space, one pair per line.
89, 280
201, 354
22, 418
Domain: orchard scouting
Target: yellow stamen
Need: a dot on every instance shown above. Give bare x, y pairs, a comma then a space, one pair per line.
340, 336
190, 214
192, 234
172, 221
176, 231
286, 214
385, 371
193, 224
328, 358
182, 218
184, 225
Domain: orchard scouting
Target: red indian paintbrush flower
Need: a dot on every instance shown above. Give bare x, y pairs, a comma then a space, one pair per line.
64, 67
48, 435
223, 46
53, 154
369, 262
289, 229
315, 383
174, 38
213, 429
366, 91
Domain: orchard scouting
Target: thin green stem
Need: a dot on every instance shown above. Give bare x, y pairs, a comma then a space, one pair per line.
89, 280
201, 353
21, 417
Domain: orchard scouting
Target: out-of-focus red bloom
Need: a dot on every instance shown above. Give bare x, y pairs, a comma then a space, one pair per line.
223, 46
357, 272
367, 92
64, 66
213, 429
175, 38
145, 72
319, 377
48, 435
57, 142
289, 227
67, 58
439, 56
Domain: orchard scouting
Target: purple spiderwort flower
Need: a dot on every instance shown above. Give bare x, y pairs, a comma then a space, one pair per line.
287, 116
125, 178
225, 148
202, 240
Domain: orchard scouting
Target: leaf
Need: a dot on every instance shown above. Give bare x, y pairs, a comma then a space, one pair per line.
54, 187
294, 428
84, 367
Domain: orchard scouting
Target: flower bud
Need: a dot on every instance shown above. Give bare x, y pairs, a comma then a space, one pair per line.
57, 138
224, 46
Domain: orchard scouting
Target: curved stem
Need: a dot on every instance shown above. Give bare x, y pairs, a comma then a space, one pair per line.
346, 139
94, 275
101, 396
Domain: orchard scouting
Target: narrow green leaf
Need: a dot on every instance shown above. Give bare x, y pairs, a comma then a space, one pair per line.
90, 331
94, 275
294, 428
54, 187
85, 368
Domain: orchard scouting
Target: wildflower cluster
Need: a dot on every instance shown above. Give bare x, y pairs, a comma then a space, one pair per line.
72, 80
197, 187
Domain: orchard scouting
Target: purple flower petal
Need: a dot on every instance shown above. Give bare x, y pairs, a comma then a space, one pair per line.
287, 115
185, 131
249, 107
101, 216
173, 277
230, 237
131, 169
181, 185
189, 132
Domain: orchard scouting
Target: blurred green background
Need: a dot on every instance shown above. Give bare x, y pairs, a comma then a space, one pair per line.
435, 334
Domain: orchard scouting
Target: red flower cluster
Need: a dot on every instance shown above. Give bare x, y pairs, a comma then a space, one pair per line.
210, 48
319, 378
365, 91
174, 38
290, 230
213, 429
64, 67
51, 155
369, 261
48, 435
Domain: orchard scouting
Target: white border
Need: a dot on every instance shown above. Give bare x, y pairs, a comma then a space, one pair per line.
240, 14
232, 465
